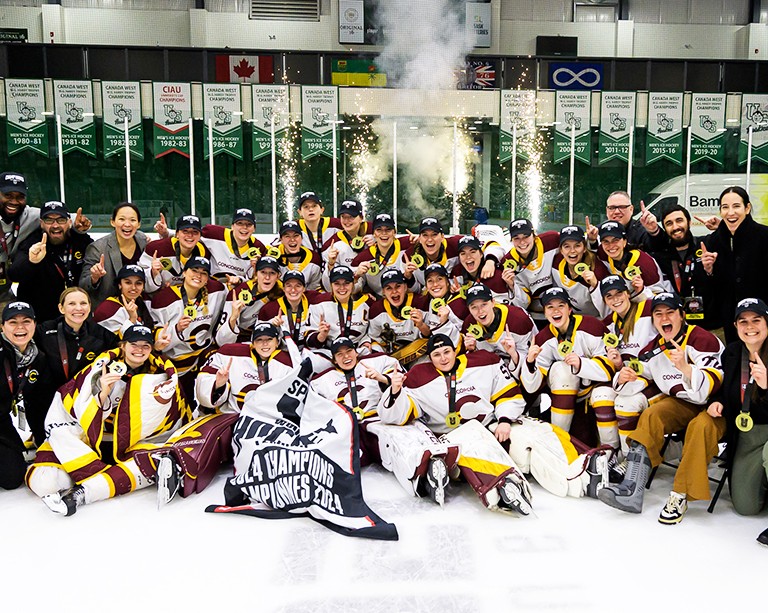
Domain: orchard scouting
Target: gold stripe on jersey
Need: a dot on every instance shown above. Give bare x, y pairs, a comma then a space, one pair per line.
504, 391
80, 462
388, 307
484, 467
564, 278
633, 258
301, 265
565, 441
605, 364
375, 254
534, 264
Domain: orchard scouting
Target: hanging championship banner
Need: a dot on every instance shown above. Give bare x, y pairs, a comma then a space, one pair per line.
665, 128
572, 114
73, 101
221, 105
172, 110
754, 112
120, 101
708, 127
270, 104
518, 108
617, 121
25, 105
319, 112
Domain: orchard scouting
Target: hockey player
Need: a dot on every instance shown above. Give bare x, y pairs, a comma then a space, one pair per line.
473, 267
447, 310
291, 312
128, 306
456, 397
355, 236
315, 229
294, 256
233, 251
683, 362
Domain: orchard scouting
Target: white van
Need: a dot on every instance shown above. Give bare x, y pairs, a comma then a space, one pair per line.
704, 193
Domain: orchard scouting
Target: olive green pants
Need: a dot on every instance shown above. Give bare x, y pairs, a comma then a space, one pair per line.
749, 474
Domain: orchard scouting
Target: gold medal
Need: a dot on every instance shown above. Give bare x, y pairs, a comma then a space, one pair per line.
359, 413
190, 311
374, 269
405, 312
564, 348
436, 304
581, 268
273, 252
118, 368
245, 296
510, 264
636, 365
631, 272
253, 253
357, 242
610, 340
453, 419
744, 422
166, 263
418, 260
475, 330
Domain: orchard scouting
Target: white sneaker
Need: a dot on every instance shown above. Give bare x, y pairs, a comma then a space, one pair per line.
673, 511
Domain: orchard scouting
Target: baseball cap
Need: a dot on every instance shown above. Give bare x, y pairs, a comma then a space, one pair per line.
351, 207
131, 270
392, 275
478, 292
309, 196
753, 305
437, 269
341, 272
13, 182
189, 221
430, 223
54, 207
554, 293
673, 301
289, 226
12, 309
469, 242
137, 333
612, 228
340, 343
383, 220
264, 328
198, 262
520, 226
611, 283
267, 261
572, 233
244, 214
294, 274
436, 341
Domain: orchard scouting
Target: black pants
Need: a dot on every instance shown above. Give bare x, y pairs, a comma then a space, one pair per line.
12, 466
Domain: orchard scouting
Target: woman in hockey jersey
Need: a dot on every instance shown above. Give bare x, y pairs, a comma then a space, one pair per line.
473, 267
578, 271
127, 306
354, 236
291, 313
295, 256
447, 310
122, 403
233, 250
683, 362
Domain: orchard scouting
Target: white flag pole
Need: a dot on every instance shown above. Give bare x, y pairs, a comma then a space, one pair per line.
455, 225
573, 167
127, 159
60, 145
335, 170
273, 155
191, 170
749, 156
687, 168
394, 172
630, 159
210, 170
513, 188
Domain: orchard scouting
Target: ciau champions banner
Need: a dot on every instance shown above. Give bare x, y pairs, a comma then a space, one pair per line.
121, 101
221, 107
319, 112
572, 116
754, 113
25, 105
708, 127
172, 110
617, 121
518, 108
270, 107
665, 128
73, 101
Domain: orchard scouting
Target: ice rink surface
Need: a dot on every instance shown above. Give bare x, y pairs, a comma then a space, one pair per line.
576, 555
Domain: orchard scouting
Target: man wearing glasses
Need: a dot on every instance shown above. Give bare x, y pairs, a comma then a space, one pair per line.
619, 208
49, 260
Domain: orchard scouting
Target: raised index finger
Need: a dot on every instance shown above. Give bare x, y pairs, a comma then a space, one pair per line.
44, 239
757, 358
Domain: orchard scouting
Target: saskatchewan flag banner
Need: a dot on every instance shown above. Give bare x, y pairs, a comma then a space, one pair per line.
25, 105
270, 105
665, 128
359, 73
617, 121
708, 128
754, 112
221, 106
172, 110
319, 112
73, 101
518, 108
121, 100
573, 114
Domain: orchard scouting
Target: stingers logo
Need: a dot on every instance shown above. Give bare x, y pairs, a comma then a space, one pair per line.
32, 376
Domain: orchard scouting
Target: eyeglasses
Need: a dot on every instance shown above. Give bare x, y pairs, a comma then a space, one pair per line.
56, 221
618, 207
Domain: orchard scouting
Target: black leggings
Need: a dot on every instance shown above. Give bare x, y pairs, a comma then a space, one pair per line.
12, 466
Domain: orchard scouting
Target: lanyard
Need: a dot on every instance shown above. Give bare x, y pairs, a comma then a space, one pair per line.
13, 235
489, 331
345, 322
316, 241
349, 241
63, 353
199, 301
262, 367
294, 318
386, 257
747, 383
66, 273
450, 384
568, 332
349, 375
235, 249
676, 274
523, 262
177, 251
645, 357
20, 378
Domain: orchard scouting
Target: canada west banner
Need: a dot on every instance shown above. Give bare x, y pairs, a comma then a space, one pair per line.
754, 114
270, 108
319, 113
25, 105
518, 110
573, 116
617, 121
73, 101
172, 111
708, 128
121, 101
665, 128
224, 117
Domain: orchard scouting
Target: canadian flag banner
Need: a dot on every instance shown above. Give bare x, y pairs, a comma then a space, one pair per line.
244, 69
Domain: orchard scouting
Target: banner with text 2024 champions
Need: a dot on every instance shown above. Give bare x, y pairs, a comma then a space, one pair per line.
708, 127
270, 105
665, 128
754, 112
74, 104
221, 105
172, 110
121, 100
25, 105
573, 113
518, 108
319, 112
617, 121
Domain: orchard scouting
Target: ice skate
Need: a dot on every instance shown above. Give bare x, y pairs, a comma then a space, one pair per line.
515, 496
65, 503
436, 480
169, 479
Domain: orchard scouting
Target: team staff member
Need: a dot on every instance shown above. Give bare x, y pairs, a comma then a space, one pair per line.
315, 229
619, 208
49, 260
233, 250
578, 271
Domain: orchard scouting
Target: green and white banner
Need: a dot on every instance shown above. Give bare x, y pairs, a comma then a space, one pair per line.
319, 112
665, 128
121, 100
270, 105
25, 105
172, 108
572, 115
708, 127
73, 101
221, 107
518, 108
754, 112
617, 121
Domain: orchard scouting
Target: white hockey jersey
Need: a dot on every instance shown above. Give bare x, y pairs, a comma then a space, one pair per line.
168, 252
226, 257
350, 320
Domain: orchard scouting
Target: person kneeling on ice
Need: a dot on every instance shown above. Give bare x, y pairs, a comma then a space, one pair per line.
455, 397
122, 403
678, 371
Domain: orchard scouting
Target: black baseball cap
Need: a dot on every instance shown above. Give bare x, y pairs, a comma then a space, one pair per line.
478, 292
137, 333
289, 226
753, 305
267, 261
351, 207
520, 226
264, 328
673, 301
383, 220
340, 343
392, 275
13, 182
294, 274
435, 269
470, 242
430, 223
309, 196
611, 283
244, 215
341, 272
198, 262
554, 293
131, 270
612, 228
572, 233
189, 221
54, 207
12, 309
436, 341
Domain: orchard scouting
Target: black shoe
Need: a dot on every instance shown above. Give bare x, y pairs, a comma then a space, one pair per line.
763, 538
